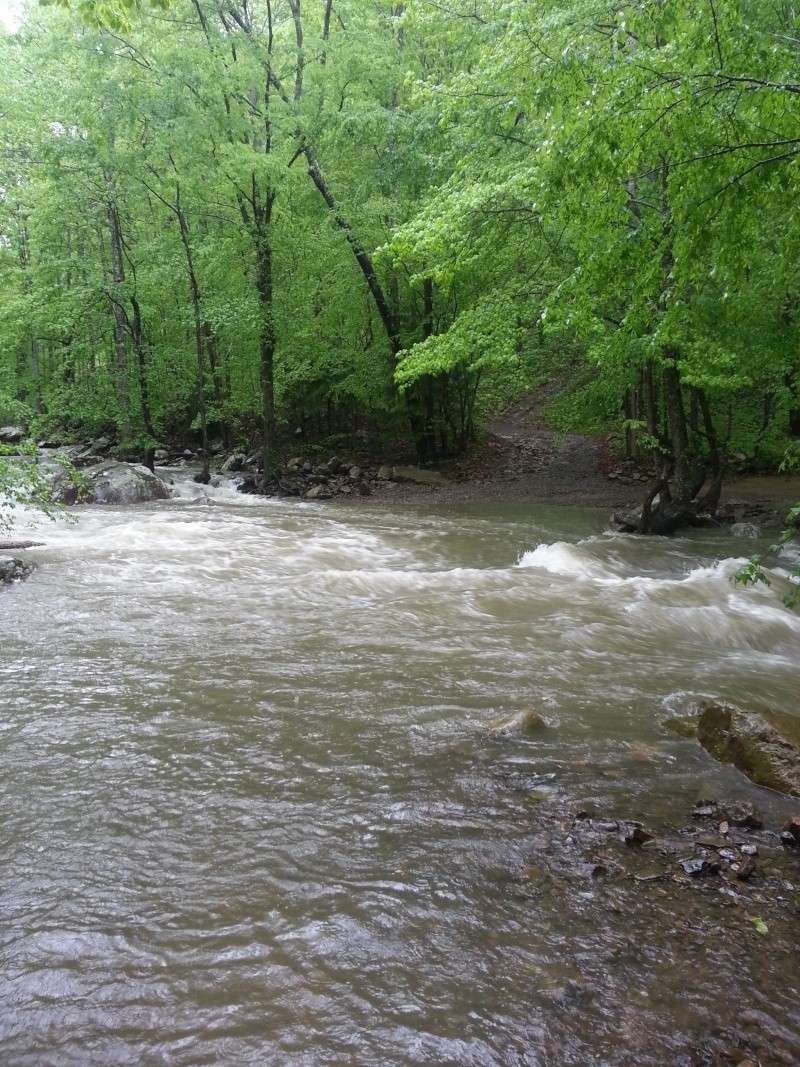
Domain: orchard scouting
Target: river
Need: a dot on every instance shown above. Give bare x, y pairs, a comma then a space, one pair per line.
250, 813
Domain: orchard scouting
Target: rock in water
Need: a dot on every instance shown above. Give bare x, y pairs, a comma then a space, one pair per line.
742, 813
790, 837
14, 570
700, 867
681, 726
746, 530
102, 483
523, 724
765, 746
11, 435
124, 483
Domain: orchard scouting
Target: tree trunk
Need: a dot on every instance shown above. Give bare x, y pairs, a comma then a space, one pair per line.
194, 290
118, 312
140, 348
266, 344
363, 258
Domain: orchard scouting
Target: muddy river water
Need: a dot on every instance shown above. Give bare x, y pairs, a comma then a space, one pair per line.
250, 812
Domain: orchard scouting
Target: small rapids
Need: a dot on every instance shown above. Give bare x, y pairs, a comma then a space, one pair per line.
251, 813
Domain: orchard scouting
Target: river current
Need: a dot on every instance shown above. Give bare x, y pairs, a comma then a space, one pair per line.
250, 812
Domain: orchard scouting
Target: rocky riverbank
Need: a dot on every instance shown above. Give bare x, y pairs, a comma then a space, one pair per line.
520, 459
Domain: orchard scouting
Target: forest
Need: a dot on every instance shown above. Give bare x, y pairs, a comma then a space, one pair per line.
372, 222
399, 410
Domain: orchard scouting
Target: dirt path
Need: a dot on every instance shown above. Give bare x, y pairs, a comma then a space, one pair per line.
522, 459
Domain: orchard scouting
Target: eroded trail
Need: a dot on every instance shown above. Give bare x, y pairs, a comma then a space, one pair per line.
251, 813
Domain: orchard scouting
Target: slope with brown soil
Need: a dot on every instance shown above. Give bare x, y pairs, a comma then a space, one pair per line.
523, 459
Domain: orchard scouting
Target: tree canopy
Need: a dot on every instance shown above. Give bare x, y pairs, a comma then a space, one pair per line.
249, 218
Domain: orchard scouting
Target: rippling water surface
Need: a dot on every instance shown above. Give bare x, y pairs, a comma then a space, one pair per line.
249, 812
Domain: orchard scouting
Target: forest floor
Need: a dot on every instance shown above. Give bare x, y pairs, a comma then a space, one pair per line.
522, 459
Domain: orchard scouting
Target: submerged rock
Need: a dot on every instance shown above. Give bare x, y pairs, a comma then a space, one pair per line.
523, 724
14, 570
746, 530
681, 726
765, 747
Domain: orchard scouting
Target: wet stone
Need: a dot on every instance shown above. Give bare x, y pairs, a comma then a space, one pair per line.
700, 867
635, 836
709, 841
744, 815
746, 868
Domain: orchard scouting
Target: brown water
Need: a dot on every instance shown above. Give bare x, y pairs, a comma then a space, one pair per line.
249, 813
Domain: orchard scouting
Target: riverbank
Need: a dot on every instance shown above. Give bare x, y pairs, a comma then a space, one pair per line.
523, 460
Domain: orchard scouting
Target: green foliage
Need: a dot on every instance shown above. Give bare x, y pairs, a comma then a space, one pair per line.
557, 192
23, 485
754, 571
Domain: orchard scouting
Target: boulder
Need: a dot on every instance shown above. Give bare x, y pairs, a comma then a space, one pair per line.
319, 492
103, 483
161, 455
764, 746
11, 435
384, 473
14, 570
417, 476
124, 483
523, 724
354, 473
